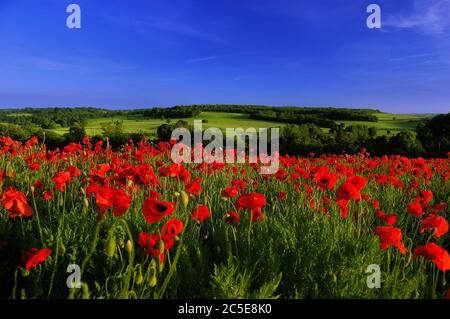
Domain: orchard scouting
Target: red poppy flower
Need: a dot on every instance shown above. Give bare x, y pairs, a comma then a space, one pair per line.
252, 201
239, 183
282, 195
110, 197
425, 197
357, 181
154, 194
47, 195
434, 222
38, 184
174, 169
435, 253
74, 171
415, 209
16, 203
390, 236
60, 180
233, 217
230, 191
34, 166
257, 214
348, 191
343, 207
200, 213
281, 174
194, 187
154, 210
31, 142
34, 257
390, 220
172, 227
325, 180
150, 245
375, 204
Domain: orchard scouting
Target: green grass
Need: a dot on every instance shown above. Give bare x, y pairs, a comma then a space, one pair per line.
390, 122
234, 120
140, 124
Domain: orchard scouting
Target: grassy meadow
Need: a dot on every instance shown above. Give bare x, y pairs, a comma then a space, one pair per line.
388, 122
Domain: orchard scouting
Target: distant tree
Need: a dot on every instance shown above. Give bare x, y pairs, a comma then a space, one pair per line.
76, 133
164, 131
405, 143
112, 128
434, 134
372, 131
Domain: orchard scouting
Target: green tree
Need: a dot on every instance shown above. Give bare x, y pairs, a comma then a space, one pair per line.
76, 133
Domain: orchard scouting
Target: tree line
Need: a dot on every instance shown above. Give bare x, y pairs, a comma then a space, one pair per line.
430, 139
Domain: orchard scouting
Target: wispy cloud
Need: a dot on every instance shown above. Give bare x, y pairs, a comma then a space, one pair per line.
78, 64
429, 17
206, 58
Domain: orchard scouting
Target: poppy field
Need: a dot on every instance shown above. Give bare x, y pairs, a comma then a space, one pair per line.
89, 221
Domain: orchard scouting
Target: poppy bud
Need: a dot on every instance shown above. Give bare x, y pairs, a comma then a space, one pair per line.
184, 199
161, 246
153, 265
176, 194
62, 249
83, 191
32, 189
129, 246
9, 172
160, 266
121, 243
139, 279
25, 272
85, 290
153, 281
61, 202
86, 203
110, 247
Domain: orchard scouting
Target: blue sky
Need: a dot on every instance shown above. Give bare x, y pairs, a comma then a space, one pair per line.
136, 54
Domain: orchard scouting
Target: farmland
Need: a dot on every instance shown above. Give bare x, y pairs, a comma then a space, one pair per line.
223, 120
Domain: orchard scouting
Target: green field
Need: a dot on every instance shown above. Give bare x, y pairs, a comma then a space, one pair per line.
391, 122
140, 124
387, 122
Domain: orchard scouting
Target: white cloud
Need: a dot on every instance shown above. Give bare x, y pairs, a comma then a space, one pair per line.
206, 58
429, 17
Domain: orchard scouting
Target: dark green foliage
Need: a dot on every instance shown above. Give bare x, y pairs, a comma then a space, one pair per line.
164, 131
50, 118
76, 133
434, 134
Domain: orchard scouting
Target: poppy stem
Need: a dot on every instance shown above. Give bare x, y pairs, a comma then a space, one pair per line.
15, 285
250, 230
38, 219
174, 264
88, 256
